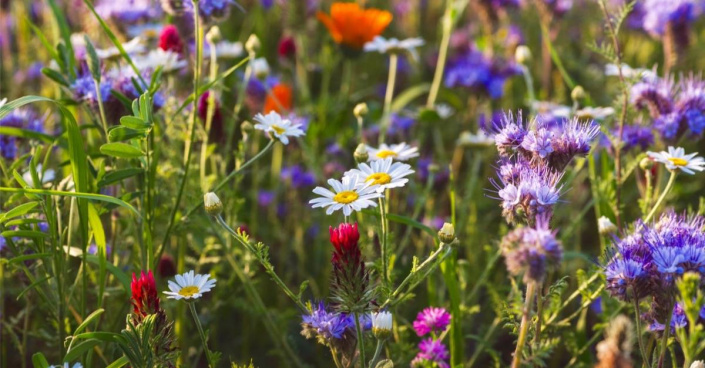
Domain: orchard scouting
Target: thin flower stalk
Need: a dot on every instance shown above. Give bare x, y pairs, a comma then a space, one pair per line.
447, 22
525, 321
669, 186
388, 95
204, 339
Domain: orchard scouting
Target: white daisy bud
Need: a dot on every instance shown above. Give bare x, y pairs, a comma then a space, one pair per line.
447, 233
361, 154
213, 35
578, 93
698, 364
214, 206
605, 226
360, 110
382, 325
522, 54
252, 44
260, 67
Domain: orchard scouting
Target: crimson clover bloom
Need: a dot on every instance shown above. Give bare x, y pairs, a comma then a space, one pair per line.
350, 282
145, 299
432, 320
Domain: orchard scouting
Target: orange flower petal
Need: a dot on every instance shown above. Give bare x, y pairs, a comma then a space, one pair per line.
330, 24
279, 99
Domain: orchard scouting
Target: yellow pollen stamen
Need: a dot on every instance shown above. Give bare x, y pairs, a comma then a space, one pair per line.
386, 153
678, 161
278, 129
346, 197
188, 291
379, 178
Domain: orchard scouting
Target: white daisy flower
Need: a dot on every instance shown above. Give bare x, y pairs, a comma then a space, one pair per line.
479, 139
597, 113
281, 128
189, 286
629, 72
384, 173
66, 365
225, 50
399, 152
168, 60
134, 46
383, 45
260, 67
352, 194
44, 176
676, 159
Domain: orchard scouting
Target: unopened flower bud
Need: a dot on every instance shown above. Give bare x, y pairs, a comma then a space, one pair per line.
698, 364
605, 226
447, 233
246, 127
434, 168
361, 155
360, 110
252, 45
213, 205
213, 35
578, 93
522, 54
382, 325
646, 163
260, 67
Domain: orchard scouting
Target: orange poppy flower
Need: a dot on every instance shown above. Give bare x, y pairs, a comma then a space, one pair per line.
279, 99
351, 26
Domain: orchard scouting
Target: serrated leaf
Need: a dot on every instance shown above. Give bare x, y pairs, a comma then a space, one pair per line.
121, 150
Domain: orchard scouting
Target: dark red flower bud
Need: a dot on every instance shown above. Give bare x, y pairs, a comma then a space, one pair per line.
145, 299
170, 40
217, 133
287, 48
166, 267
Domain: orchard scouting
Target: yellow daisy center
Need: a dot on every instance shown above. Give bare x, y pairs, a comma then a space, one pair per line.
278, 129
386, 153
188, 291
678, 161
379, 178
346, 197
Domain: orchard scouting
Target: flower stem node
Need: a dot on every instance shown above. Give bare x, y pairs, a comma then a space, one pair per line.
361, 155
447, 233
522, 54
253, 44
361, 110
213, 205
646, 163
214, 35
246, 127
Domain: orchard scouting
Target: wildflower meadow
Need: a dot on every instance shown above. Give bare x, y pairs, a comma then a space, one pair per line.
352, 184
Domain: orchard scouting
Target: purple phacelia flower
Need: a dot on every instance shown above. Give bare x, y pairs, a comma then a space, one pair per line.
431, 320
509, 134
531, 251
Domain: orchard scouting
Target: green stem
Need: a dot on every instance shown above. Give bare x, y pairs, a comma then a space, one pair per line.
378, 351
529, 86
666, 335
383, 241
539, 307
668, 188
264, 262
209, 116
639, 338
192, 125
391, 81
336, 360
99, 96
204, 340
524, 328
360, 339
442, 54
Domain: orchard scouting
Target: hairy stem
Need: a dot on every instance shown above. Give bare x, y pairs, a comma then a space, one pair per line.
525, 320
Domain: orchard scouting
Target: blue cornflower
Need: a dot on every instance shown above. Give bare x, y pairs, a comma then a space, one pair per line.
326, 324
474, 70
84, 89
298, 176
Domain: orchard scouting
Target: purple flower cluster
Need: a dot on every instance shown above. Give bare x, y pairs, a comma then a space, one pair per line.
676, 16
129, 11
531, 251
473, 70
647, 261
676, 108
24, 118
298, 176
431, 350
326, 325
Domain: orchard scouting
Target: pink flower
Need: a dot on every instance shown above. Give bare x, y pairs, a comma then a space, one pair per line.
431, 320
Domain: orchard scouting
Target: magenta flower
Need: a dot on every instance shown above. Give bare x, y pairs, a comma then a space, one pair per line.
431, 320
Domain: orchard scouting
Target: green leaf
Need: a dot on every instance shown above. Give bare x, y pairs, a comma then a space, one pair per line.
93, 60
28, 257
32, 286
134, 122
79, 349
18, 211
99, 236
90, 196
55, 76
39, 361
121, 150
28, 134
118, 175
123, 361
88, 320
24, 234
385, 364
123, 133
